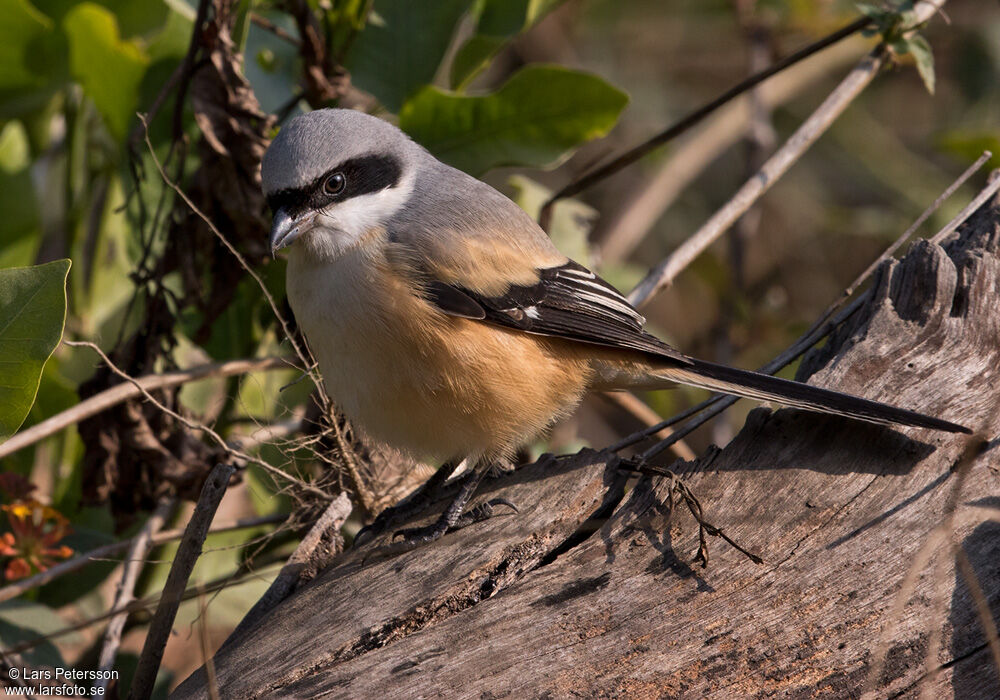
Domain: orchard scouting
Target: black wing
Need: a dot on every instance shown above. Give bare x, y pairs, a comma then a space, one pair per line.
568, 301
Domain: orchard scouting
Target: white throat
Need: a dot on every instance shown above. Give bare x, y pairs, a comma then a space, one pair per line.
343, 225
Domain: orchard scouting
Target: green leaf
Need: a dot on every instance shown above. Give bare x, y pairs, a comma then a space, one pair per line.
869, 10
534, 119
23, 621
497, 22
402, 46
473, 57
32, 313
20, 29
109, 68
924, 58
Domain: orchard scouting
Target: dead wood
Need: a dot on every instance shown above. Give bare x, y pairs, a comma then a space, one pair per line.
538, 605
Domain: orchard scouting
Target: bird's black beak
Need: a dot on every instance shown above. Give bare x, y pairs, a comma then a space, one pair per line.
284, 230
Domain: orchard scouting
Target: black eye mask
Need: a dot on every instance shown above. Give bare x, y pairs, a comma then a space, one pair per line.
364, 175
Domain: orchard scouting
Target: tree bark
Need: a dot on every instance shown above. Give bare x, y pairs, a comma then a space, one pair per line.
540, 605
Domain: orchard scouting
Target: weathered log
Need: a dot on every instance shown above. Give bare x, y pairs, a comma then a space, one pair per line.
534, 606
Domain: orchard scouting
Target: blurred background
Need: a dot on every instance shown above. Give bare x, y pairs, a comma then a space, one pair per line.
528, 94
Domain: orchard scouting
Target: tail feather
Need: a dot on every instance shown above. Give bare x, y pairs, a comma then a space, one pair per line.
764, 387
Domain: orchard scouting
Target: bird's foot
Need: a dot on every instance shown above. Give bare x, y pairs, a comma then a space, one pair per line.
413, 537
484, 511
417, 501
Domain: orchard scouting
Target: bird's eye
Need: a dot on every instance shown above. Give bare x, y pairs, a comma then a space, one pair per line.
335, 184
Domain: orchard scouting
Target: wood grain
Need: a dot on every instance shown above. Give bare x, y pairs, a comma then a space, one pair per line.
838, 509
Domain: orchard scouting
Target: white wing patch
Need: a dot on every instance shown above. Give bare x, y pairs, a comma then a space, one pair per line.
587, 287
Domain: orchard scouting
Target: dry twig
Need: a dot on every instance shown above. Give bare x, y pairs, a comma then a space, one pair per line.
128, 390
303, 354
634, 154
307, 558
641, 411
192, 425
827, 321
180, 571
132, 566
630, 224
777, 165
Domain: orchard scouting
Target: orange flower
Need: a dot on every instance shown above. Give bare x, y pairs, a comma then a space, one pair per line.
33, 542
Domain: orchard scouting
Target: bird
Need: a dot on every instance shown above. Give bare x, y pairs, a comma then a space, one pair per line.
444, 321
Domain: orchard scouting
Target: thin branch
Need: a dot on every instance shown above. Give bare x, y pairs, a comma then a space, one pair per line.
146, 604
351, 463
184, 79
16, 588
280, 32
641, 411
120, 393
180, 571
134, 561
980, 200
690, 157
718, 403
304, 356
968, 573
192, 425
685, 123
679, 488
206, 648
777, 165
157, 103
268, 433
307, 555
926, 214
820, 328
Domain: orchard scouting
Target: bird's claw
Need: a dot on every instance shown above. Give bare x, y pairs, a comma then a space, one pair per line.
429, 533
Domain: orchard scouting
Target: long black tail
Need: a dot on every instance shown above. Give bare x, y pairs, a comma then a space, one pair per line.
753, 385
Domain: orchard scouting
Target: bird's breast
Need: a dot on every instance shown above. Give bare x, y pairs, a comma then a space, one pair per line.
432, 385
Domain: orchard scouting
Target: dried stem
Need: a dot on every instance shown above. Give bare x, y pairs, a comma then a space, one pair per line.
361, 489
280, 32
968, 573
305, 557
146, 604
303, 354
777, 165
641, 411
180, 571
694, 117
980, 200
135, 559
206, 648
123, 392
192, 425
689, 158
827, 321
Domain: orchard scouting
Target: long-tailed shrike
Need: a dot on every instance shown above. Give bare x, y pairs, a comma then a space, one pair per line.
445, 322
